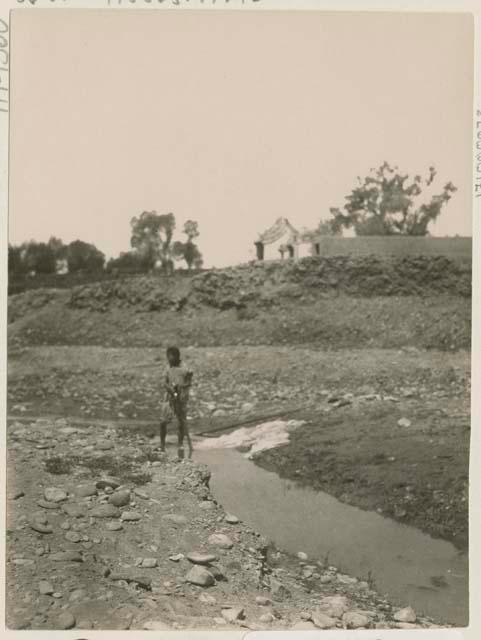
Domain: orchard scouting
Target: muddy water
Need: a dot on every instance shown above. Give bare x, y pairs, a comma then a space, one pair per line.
410, 567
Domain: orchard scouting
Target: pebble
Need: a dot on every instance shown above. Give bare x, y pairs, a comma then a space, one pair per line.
230, 519
206, 598
303, 625
221, 540
73, 536
266, 618
201, 558
302, 556
107, 483
405, 615
86, 490
323, 621
334, 606
278, 590
65, 621
120, 498
354, 620
156, 625
263, 601
103, 445
234, 614
114, 526
45, 588
175, 519
18, 494
200, 576
77, 594
177, 557
41, 528
206, 505
149, 563
85, 624
105, 511
65, 525
54, 494
404, 422
74, 510
131, 516
66, 556
47, 505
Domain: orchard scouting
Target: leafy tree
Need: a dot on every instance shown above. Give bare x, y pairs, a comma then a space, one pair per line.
16, 263
128, 261
188, 250
387, 202
152, 236
82, 256
58, 248
39, 257
326, 228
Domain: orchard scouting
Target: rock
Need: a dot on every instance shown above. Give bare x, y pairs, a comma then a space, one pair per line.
200, 576
74, 510
206, 598
18, 494
45, 588
323, 621
65, 621
326, 579
221, 540
175, 519
41, 528
230, 519
355, 620
201, 558
263, 601
86, 490
23, 562
47, 505
218, 573
302, 556
266, 618
303, 625
77, 595
406, 625
234, 614
104, 445
247, 407
105, 511
405, 615
66, 556
149, 563
334, 606
156, 625
73, 536
110, 483
177, 558
114, 526
39, 518
53, 494
131, 516
120, 498
278, 590
145, 582
404, 422
206, 505
85, 624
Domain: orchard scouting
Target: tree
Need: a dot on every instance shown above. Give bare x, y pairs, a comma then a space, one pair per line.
188, 250
58, 248
82, 256
128, 261
387, 202
16, 263
152, 236
39, 257
326, 228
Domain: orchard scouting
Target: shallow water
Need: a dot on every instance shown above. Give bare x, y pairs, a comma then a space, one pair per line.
406, 564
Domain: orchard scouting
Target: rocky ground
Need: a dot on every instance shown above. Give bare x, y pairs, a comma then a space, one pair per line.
105, 533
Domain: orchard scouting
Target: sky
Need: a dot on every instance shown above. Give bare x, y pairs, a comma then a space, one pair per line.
232, 119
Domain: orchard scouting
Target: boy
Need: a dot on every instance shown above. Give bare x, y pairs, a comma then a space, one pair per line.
177, 383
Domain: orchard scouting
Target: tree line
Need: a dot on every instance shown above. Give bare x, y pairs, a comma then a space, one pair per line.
152, 247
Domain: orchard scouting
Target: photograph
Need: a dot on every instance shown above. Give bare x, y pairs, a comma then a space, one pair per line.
238, 360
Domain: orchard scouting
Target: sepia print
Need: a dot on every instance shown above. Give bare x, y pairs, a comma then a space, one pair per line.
239, 320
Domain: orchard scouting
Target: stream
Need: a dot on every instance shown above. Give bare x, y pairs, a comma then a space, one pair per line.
408, 566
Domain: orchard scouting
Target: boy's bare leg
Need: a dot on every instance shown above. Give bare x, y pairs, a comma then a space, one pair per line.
180, 437
163, 435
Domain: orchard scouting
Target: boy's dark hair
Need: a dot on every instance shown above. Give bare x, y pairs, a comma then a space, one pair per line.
175, 352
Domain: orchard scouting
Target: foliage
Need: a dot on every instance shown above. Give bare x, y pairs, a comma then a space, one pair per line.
152, 237
38, 257
128, 261
188, 250
82, 256
387, 202
16, 264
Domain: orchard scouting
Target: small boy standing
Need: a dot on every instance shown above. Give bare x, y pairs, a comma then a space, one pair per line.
177, 383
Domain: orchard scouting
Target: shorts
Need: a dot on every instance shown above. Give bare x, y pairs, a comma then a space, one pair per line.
168, 415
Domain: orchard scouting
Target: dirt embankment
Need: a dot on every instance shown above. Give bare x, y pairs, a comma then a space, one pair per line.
334, 302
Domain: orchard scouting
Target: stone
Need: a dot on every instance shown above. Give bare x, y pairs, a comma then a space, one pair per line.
221, 540
54, 494
120, 498
47, 505
66, 556
131, 516
74, 510
233, 615
105, 511
104, 483
77, 595
206, 598
278, 590
201, 558
65, 525
404, 422
41, 528
323, 621
303, 625
326, 578
142, 581
355, 620
86, 490
405, 615
302, 556
73, 536
65, 621
200, 576
149, 563
230, 519
45, 588
156, 625
206, 505
177, 557
114, 526
263, 601
175, 519
266, 618
18, 494
104, 445
334, 606
40, 518
85, 624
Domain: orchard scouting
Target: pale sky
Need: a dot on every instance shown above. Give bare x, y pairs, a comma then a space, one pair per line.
231, 119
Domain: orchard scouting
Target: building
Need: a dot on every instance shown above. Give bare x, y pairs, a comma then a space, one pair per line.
283, 241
